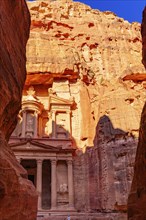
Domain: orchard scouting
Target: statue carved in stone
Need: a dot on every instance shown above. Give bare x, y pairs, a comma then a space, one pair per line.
63, 188
30, 124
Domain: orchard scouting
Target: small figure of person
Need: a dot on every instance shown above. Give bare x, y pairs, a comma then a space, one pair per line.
68, 218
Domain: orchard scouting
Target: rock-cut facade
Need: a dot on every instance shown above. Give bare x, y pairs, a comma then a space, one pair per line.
78, 126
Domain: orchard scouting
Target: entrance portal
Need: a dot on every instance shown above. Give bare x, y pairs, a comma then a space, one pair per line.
31, 167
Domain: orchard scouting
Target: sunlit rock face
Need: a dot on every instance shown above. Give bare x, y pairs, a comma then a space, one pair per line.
143, 31
137, 197
17, 194
94, 57
95, 51
68, 39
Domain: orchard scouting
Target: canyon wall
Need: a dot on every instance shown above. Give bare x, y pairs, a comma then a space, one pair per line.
102, 65
94, 57
17, 194
137, 197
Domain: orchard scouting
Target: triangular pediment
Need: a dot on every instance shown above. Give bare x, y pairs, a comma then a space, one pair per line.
54, 99
32, 146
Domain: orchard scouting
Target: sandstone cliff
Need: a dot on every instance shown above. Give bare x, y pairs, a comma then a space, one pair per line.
17, 194
96, 57
96, 50
137, 197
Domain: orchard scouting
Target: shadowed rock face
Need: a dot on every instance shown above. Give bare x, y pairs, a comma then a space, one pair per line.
137, 197
17, 194
13, 38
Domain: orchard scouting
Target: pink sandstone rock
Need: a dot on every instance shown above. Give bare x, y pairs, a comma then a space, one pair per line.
94, 57
18, 199
98, 56
68, 41
137, 196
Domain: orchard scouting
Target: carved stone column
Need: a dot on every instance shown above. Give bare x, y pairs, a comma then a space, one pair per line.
70, 184
53, 184
23, 123
39, 183
36, 124
53, 124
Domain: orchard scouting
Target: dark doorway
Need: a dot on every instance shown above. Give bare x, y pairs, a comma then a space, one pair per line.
31, 167
46, 184
32, 178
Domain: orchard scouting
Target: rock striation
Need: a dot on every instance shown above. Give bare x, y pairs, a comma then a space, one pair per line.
17, 194
68, 41
78, 44
137, 197
94, 57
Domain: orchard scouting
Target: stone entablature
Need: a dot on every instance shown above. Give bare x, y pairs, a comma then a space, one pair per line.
56, 143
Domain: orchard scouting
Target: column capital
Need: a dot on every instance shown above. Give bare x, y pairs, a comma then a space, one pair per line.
54, 111
36, 113
39, 161
68, 111
69, 162
53, 161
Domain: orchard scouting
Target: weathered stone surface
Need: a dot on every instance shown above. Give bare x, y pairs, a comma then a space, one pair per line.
94, 57
137, 197
68, 40
17, 195
143, 31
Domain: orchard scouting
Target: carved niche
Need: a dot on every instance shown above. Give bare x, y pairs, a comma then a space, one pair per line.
27, 126
60, 116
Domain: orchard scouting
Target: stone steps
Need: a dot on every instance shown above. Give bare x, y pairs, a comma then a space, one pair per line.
83, 216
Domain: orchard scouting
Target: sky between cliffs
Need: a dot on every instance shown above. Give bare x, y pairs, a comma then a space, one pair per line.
130, 10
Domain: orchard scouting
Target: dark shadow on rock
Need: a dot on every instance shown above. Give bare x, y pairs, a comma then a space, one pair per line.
109, 177
106, 131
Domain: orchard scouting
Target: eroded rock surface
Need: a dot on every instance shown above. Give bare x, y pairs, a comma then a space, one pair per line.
94, 57
137, 197
17, 195
68, 42
97, 58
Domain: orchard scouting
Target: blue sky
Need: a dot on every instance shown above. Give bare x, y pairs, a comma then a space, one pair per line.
130, 10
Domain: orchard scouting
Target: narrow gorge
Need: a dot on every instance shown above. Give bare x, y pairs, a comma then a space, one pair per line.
78, 122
